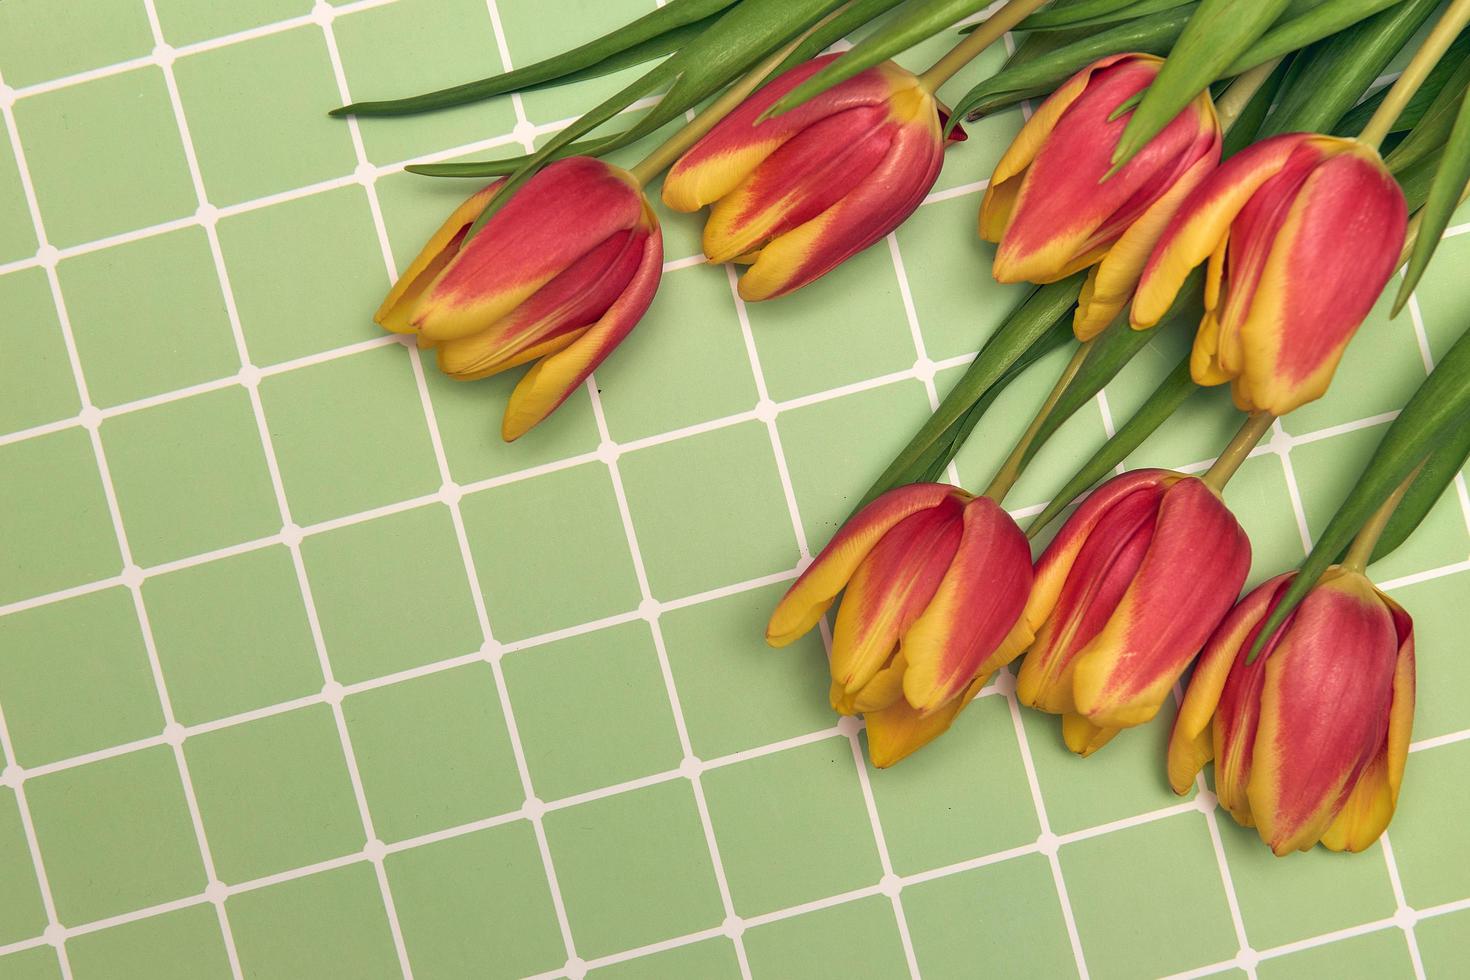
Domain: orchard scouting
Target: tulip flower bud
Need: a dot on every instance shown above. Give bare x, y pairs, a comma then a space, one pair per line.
802, 192
1301, 233
559, 275
1310, 740
935, 582
1052, 212
1125, 596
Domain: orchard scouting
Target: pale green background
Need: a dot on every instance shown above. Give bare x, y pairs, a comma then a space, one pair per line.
305, 674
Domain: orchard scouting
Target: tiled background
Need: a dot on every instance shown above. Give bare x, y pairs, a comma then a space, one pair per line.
303, 673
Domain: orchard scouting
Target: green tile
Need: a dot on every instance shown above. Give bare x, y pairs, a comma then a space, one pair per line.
306, 274
56, 526
592, 710
75, 39
476, 903
528, 39
1441, 707
818, 842
190, 476
244, 101
717, 493
433, 752
22, 914
1431, 840
1383, 955
75, 678
1283, 901
1148, 900
148, 317
736, 692
958, 303
847, 326
125, 119
35, 963
1259, 497
685, 363
550, 552
712, 959
17, 231
36, 383
115, 835
633, 869
939, 806
1124, 779
232, 635
978, 916
184, 22
417, 46
182, 945
854, 939
835, 449
468, 414
432, 615
1442, 942
1443, 302
350, 434
274, 794
324, 925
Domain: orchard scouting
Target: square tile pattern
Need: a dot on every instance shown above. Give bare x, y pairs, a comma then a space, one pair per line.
304, 673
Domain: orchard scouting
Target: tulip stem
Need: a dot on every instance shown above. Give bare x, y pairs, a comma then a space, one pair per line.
672, 148
1255, 426
1010, 470
1454, 19
1241, 91
982, 37
1360, 552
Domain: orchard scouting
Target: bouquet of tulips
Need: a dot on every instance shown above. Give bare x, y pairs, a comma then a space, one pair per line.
1228, 166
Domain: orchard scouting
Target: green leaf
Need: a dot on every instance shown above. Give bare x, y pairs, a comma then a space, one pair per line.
1171, 393
1041, 311
636, 42
1441, 74
1306, 24
1246, 128
1151, 35
1435, 416
509, 165
1439, 471
858, 13
1417, 179
1433, 130
1094, 13
1217, 33
1444, 197
1329, 77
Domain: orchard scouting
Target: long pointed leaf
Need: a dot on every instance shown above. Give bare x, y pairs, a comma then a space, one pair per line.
857, 14
1439, 471
1441, 74
1098, 13
1302, 26
1246, 128
1434, 129
1444, 197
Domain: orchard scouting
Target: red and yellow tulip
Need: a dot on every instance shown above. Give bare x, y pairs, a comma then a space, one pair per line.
935, 582
559, 275
800, 193
1310, 740
1301, 232
1125, 596
1052, 213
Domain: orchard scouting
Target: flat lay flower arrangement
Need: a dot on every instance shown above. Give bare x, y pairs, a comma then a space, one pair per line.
1192, 210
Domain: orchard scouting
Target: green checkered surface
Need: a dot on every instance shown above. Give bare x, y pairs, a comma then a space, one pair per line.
304, 673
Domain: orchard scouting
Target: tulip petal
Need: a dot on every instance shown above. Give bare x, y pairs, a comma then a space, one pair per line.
973, 611
562, 213
525, 355
396, 313
1082, 736
899, 730
1324, 710
552, 379
885, 688
1196, 562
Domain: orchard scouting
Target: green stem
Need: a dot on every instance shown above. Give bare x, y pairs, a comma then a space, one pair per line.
975, 42
1234, 454
1230, 105
1454, 19
1360, 552
1010, 470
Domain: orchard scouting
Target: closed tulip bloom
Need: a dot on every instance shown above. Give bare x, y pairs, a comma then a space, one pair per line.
1301, 232
1052, 213
1310, 740
935, 582
800, 193
1126, 594
559, 276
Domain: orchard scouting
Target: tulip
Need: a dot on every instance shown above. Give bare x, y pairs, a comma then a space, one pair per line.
1301, 233
800, 193
1053, 214
559, 275
1310, 740
1125, 596
935, 582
